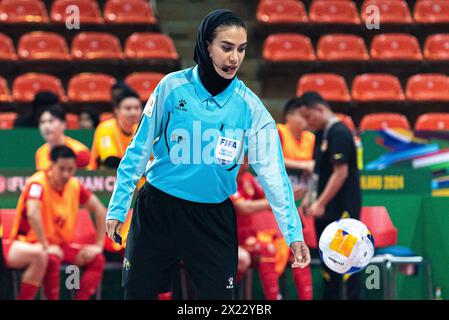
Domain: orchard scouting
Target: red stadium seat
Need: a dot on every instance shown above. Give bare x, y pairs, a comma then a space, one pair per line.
347, 120
281, 12
41, 45
379, 223
432, 11
72, 121
436, 47
106, 116
26, 86
288, 47
96, 45
395, 47
88, 10
428, 87
377, 87
335, 12
7, 119
90, 87
433, 122
331, 86
149, 45
7, 51
338, 47
378, 121
128, 11
5, 95
23, 11
391, 11
85, 232
144, 83
7, 220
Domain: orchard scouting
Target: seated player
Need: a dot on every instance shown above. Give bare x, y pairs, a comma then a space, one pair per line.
258, 234
46, 216
52, 125
113, 136
297, 147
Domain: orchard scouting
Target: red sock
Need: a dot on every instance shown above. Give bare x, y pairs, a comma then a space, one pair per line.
303, 282
91, 278
28, 290
52, 278
267, 272
165, 296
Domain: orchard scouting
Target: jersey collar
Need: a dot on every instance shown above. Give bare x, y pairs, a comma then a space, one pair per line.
203, 94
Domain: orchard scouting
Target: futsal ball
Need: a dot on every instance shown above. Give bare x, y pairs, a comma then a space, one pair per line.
346, 246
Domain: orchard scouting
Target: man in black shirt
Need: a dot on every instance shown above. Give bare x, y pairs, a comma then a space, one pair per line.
337, 192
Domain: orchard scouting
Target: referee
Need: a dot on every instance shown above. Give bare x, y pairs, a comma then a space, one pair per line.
199, 123
338, 187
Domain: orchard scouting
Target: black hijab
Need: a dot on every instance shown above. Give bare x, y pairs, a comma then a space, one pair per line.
211, 80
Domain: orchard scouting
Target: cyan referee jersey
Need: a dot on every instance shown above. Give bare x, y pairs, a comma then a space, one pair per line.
198, 142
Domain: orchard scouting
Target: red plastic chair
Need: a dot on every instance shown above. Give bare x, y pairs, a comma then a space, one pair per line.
7, 51
433, 122
25, 86
379, 223
428, 87
88, 10
379, 121
5, 95
281, 12
96, 45
129, 12
339, 12
7, 119
23, 11
41, 45
7, 220
342, 47
90, 87
395, 47
432, 11
150, 45
288, 47
144, 83
347, 121
85, 232
436, 47
391, 11
72, 121
331, 86
377, 87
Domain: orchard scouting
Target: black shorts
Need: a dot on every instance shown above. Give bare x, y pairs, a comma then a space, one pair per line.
165, 230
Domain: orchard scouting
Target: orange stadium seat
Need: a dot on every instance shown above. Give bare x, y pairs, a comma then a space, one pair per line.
281, 12
436, 47
288, 47
7, 51
71, 120
88, 10
394, 46
331, 86
144, 83
433, 121
338, 47
428, 87
344, 12
432, 11
40, 45
347, 120
27, 85
23, 11
5, 95
380, 225
7, 119
150, 45
96, 45
378, 121
391, 11
90, 87
377, 87
128, 11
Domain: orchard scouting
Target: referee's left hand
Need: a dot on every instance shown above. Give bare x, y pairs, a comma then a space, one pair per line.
301, 253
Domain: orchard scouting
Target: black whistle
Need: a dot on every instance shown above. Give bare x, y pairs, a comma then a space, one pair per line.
117, 238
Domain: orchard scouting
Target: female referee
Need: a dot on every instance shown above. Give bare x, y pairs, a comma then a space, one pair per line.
199, 123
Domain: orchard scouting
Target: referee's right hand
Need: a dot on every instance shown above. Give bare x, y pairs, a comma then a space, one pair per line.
113, 226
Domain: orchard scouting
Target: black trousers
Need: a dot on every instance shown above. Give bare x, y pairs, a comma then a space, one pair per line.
335, 287
165, 230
